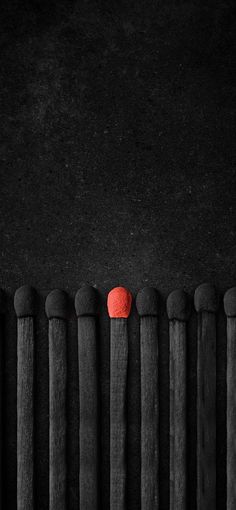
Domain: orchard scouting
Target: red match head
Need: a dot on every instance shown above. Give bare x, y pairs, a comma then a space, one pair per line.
119, 303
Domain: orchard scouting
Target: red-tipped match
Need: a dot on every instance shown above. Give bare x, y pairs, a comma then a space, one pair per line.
119, 303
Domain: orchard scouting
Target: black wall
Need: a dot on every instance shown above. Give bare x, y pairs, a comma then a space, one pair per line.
117, 167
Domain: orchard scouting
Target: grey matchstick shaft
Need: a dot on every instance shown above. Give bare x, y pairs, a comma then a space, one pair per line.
178, 311
147, 306
206, 304
2, 310
119, 303
118, 382
86, 304
24, 303
230, 310
56, 310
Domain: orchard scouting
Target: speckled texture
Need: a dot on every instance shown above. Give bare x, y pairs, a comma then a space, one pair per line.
117, 168
117, 160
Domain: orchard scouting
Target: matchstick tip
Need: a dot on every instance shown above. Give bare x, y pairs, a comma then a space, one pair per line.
206, 298
24, 301
56, 304
230, 302
178, 305
147, 301
119, 303
86, 301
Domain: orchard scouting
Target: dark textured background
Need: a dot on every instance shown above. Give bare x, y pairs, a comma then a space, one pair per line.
117, 167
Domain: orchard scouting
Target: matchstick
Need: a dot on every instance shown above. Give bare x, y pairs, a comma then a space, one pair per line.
178, 311
206, 304
119, 305
2, 310
56, 310
24, 303
86, 304
147, 306
230, 310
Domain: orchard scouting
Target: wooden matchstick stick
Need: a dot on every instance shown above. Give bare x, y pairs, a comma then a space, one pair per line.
147, 306
230, 310
56, 310
119, 305
86, 304
24, 303
206, 304
178, 311
2, 309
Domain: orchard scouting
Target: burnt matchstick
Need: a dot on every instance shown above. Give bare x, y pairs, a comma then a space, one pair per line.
86, 305
178, 310
147, 306
2, 310
119, 305
230, 310
56, 311
206, 304
24, 303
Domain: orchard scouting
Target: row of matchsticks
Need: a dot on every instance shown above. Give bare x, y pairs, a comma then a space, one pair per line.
119, 306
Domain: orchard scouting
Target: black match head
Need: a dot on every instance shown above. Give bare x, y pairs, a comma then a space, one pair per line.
230, 302
24, 301
86, 301
56, 305
206, 298
178, 305
147, 301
